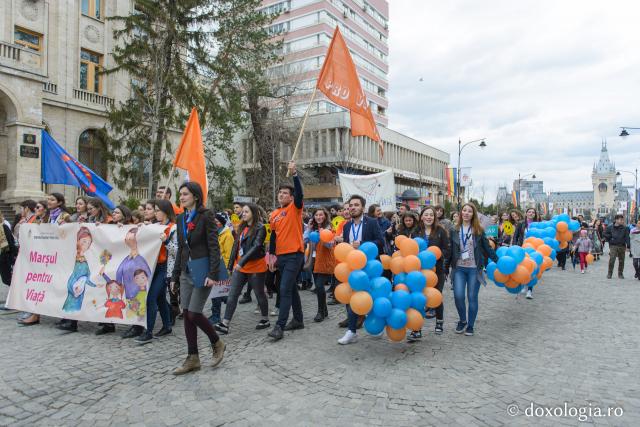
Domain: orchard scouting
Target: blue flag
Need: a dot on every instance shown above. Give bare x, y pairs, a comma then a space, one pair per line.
58, 167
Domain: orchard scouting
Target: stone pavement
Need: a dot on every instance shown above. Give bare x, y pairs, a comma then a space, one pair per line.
577, 343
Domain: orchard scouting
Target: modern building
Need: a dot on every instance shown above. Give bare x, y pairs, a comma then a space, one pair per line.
305, 28
51, 53
531, 187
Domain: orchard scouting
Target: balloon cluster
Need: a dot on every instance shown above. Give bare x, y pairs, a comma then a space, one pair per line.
389, 308
324, 235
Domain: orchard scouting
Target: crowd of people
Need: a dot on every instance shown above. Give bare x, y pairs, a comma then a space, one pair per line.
272, 254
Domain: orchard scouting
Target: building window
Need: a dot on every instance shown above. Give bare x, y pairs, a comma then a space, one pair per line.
91, 152
90, 66
92, 8
28, 39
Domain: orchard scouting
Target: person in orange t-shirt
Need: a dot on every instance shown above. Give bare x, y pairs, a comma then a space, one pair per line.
324, 263
247, 264
287, 245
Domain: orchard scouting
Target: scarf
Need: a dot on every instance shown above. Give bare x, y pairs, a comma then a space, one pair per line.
54, 214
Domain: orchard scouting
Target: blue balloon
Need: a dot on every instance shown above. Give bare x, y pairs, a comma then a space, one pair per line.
515, 290
550, 232
427, 260
397, 319
401, 299
553, 255
517, 253
374, 325
373, 269
491, 268
564, 218
422, 244
416, 281
537, 257
502, 251
370, 250
498, 284
533, 282
359, 281
507, 264
400, 278
574, 225
382, 307
535, 272
418, 300
314, 237
529, 250
380, 287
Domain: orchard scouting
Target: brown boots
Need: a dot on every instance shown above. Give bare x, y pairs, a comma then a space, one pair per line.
191, 363
218, 352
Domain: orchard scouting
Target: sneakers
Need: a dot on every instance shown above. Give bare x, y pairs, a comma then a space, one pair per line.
133, 332
257, 310
102, 330
414, 336
529, 295
263, 324
431, 313
348, 338
245, 299
582, 271
294, 325
276, 333
163, 331
274, 312
222, 328
145, 338
70, 326
218, 352
461, 327
469, 331
439, 327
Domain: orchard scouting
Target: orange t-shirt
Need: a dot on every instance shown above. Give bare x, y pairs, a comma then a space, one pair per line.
162, 256
253, 266
287, 224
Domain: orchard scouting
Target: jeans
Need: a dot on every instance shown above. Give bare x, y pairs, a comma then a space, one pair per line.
256, 281
157, 299
636, 267
616, 252
352, 318
216, 307
466, 279
440, 287
289, 266
562, 258
321, 280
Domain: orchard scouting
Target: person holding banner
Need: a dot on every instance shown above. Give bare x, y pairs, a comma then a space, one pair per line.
57, 209
98, 212
197, 268
81, 214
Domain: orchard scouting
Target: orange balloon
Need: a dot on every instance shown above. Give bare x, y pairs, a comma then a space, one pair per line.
397, 265
527, 245
412, 263
409, 247
547, 263
326, 235
396, 335
511, 283
399, 239
502, 278
558, 237
539, 276
401, 287
529, 264
432, 278
562, 227
529, 240
341, 251
396, 254
434, 297
563, 244
567, 235
386, 261
590, 259
436, 251
342, 272
537, 242
545, 250
356, 260
414, 319
343, 293
361, 302
521, 275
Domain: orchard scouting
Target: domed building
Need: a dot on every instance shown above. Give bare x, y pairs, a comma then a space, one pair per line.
605, 189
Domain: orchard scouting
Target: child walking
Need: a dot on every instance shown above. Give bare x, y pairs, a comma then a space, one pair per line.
583, 247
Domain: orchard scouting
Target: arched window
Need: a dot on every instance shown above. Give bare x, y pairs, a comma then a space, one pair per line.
91, 152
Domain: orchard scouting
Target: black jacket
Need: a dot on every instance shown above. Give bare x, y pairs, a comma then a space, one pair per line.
252, 247
482, 252
617, 235
370, 233
518, 234
440, 238
203, 241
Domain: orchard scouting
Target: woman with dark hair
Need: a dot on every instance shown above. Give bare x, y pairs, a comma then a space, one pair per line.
598, 238
42, 212
57, 209
149, 212
435, 235
81, 214
122, 215
197, 242
247, 264
409, 225
469, 255
324, 261
443, 220
98, 212
157, 294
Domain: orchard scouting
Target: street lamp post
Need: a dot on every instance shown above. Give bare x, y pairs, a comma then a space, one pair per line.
635, 193
520, 178
461, 146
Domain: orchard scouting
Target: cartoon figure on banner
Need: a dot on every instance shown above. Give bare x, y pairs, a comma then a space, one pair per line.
129, 268
80, 276
114, 302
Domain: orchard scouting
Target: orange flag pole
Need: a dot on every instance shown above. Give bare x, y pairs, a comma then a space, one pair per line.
304, 122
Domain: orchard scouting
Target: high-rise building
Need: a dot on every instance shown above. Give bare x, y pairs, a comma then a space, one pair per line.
305, 28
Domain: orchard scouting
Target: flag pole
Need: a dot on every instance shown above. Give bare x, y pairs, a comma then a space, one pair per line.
169, 181
304, 122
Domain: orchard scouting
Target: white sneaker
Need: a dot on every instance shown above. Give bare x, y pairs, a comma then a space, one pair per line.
582, 271
257, 310
274, 312
529, 294
348, 338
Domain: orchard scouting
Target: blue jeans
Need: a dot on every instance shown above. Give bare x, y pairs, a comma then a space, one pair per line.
157, 299
216, 308
353, 319
466, 278
289, 266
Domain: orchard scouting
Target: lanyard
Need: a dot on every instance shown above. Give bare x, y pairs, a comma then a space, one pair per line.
188, 217
356, 233
464, 238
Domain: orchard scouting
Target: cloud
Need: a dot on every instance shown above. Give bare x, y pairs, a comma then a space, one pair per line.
544, 81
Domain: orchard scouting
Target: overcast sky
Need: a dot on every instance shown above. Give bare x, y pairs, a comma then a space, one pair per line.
544, 81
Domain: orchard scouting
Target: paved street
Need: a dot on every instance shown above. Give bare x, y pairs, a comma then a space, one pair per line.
576, 342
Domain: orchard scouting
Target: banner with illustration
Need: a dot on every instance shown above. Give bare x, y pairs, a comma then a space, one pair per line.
377, 188
85, 272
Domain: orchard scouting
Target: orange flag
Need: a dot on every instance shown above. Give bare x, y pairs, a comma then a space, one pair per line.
339, 81
190, 154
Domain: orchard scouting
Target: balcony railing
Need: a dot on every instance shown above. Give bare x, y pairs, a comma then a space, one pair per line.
50, 88
92, 98
20, 56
